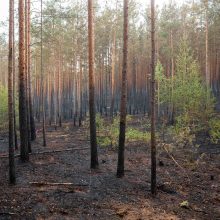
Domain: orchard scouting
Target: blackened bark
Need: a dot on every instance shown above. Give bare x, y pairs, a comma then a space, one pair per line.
22, 87
153, 137
92, 111
42, 82
31, 117
12, 178
14, 87
120, 168
27, 75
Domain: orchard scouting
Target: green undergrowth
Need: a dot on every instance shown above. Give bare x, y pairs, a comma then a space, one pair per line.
187, 98
4, 108
108, 133
183, 135
214, 130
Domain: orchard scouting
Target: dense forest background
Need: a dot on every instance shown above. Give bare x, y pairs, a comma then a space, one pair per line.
65, 64
102, 102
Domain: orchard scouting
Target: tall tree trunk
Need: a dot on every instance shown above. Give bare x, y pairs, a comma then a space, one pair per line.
153, 137
81, 88
120, 167
92, 111
49, 97
12, 178
22, 86
158, 100
42, 81
14, 86
27, 75
172, 118
55, 98
31, 117
113, 76
207, 47
59, 85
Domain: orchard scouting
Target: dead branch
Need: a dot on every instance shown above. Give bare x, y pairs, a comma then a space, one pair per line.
7, 213
39, 184
49, 152
175, 161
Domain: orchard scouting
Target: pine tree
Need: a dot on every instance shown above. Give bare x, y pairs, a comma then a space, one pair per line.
92, 111
22, 86
12, 177
123, 106
31, 117
153, 137
42, 81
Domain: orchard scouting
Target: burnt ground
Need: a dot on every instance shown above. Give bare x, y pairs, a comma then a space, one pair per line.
99, 194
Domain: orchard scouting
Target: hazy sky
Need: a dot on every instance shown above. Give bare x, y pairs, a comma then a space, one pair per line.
4, 6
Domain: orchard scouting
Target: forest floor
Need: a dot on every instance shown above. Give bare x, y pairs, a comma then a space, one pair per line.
99, 194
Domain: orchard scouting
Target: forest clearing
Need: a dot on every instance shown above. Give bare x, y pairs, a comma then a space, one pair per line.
110, 109
99, 194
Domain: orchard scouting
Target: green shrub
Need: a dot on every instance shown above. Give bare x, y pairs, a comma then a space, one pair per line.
186, 93
104, 141
214, 130
4, 108
109, 134
136, 135
99, 122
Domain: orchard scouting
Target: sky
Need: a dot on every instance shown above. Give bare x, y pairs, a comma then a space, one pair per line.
4, 7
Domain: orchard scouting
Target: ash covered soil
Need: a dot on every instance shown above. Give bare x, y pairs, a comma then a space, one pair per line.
99, 194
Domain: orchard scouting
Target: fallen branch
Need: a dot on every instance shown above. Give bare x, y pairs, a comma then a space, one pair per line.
175, 161
7, 213
39, 184
198, 210
49, 152
58, 151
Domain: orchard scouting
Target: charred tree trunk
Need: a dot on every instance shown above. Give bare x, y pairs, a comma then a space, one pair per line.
113, 78
207, 74
120, 167
153, 137
92, 111
22, 86
55, 99
31, 117
14, 85
27, 75
12, 178
59, 86
42, 84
